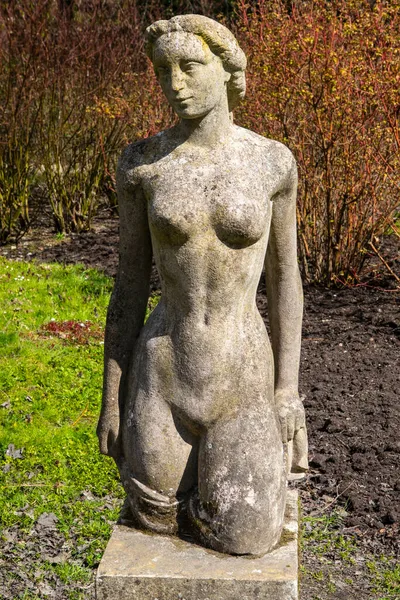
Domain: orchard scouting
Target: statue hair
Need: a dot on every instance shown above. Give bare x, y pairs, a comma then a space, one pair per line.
220, 41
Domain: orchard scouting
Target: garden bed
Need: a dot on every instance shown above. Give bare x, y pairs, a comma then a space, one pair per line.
350, 376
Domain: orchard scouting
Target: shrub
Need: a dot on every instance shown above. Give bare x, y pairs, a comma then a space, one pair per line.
58, 73
325, 80
18, 119
16, 179
72, 96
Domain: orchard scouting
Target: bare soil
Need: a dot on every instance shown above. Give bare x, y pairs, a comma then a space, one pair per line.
350, 379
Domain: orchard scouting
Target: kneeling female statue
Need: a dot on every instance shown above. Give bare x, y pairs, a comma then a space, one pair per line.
197, 406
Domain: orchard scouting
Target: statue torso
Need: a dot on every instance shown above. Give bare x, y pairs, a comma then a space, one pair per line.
209, 216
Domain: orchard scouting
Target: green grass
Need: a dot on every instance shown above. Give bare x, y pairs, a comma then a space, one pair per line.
324, 537
385, 578
50, 392
336, 554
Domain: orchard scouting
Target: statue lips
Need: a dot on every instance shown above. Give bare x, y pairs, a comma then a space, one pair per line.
179, 100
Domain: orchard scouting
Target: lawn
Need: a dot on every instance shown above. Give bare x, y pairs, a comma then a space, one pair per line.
59, 496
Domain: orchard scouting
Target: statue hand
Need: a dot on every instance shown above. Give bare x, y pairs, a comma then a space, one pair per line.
293, 429
290, 412
108, 432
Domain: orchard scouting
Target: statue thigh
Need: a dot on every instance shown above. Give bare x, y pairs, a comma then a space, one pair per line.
242, 483
158, 451
237, 464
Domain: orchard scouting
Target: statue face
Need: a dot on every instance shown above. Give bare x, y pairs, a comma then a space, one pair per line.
192, 78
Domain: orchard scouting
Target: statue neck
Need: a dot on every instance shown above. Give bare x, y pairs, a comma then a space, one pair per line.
209, 130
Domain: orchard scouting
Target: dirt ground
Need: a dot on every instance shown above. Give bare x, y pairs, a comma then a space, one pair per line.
350, 380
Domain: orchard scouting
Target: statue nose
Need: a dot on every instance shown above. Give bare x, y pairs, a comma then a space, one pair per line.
177, 82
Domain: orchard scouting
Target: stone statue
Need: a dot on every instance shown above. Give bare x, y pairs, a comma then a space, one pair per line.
196, 403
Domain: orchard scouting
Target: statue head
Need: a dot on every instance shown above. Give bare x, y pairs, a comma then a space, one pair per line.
197, 62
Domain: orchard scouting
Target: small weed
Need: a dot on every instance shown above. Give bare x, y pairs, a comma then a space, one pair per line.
330, 586
385, 575
69, 572
322, 537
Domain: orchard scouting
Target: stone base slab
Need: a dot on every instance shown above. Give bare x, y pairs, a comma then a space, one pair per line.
144, 566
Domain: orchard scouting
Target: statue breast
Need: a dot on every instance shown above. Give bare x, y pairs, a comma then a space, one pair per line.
207, 200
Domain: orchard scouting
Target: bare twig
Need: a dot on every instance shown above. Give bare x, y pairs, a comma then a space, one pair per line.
397, 278
394, 228
322, 510
81, 415
341, 441
54, 485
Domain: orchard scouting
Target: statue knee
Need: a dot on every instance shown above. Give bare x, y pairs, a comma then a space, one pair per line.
249, 532
240, 529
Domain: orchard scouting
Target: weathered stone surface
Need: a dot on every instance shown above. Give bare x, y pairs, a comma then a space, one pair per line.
140, 566
197, 402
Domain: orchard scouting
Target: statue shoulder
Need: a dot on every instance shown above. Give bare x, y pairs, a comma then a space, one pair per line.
136, 156
278, 156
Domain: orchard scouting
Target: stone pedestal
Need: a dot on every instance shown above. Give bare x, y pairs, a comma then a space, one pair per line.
142, 566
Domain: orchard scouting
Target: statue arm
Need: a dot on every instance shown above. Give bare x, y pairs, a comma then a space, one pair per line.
285, 309
127, 308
